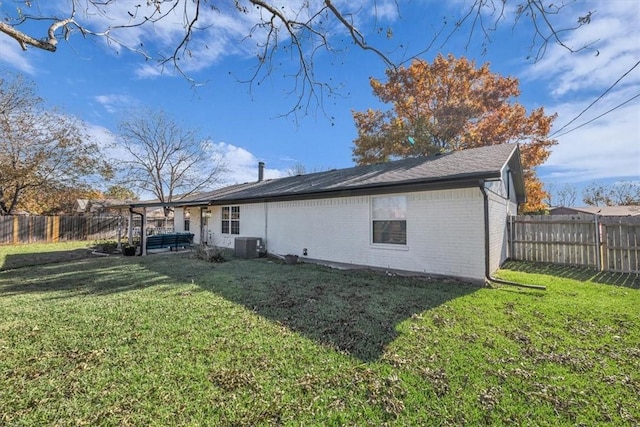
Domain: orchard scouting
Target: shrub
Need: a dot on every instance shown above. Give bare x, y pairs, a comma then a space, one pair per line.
210, 254
129, 250
105, 246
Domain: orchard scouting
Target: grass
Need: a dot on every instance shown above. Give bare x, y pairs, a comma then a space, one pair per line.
171, 340
16, 256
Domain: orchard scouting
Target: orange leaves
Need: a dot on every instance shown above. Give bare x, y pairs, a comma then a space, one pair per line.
52, 200
536, 195
451, 105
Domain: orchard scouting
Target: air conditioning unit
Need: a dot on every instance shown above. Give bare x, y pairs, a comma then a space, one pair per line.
248, 247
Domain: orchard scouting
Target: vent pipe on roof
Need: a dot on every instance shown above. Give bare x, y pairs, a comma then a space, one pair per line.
260, 171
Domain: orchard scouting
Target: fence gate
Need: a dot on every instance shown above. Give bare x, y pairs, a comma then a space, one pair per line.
621, 243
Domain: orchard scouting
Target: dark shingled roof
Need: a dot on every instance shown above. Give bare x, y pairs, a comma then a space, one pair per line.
476, 163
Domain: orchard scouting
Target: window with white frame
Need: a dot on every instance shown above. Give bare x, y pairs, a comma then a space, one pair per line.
389, 220
230, 220
187, 219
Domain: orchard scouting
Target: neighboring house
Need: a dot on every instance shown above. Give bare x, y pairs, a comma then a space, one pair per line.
597, 210
96, 207
81, 206
439, 215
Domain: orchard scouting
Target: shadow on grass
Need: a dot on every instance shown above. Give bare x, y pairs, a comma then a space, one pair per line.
356, 312
583, 274
40, 258
86, 275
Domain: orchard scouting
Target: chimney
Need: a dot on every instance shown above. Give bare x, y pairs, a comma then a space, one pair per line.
260, 171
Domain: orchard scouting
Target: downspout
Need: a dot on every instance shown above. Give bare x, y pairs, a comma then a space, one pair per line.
487, 248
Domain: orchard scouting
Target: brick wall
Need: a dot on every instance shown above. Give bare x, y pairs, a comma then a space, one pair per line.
445, 231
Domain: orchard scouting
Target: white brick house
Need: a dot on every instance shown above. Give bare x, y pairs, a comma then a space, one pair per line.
440, 215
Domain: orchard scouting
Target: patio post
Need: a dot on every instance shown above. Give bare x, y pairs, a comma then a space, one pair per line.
143, 231
130, 227
119, 229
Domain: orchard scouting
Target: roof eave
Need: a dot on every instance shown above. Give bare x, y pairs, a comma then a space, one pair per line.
157, 205
401, 187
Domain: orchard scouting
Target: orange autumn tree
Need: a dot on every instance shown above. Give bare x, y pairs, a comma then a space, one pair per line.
55, 200
451, 105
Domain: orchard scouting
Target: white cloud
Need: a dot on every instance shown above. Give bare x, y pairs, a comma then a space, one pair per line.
242, 165
219, 32
385, 10
148, 71
609, 147
115, 103
13, 55
107, 142
614, 49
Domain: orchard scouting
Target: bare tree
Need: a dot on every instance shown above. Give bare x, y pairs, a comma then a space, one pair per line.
301, 169
296, 169
623, 193
41, 150
596, 195
165, 159
275, 33
565, 196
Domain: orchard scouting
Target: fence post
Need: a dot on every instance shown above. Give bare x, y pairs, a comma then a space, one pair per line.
605, 247
56, 229
598, 248
16, 230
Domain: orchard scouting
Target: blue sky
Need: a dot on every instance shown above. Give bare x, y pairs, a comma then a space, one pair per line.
99, 84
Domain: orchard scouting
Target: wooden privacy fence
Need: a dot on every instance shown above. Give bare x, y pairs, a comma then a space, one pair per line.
15, 229
603, 242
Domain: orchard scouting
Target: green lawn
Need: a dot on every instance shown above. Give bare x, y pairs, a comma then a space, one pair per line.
171, 340
15, 256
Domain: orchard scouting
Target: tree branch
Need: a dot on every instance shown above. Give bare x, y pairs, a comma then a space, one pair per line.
24, 39
357, 37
